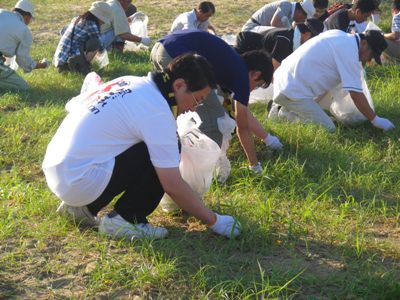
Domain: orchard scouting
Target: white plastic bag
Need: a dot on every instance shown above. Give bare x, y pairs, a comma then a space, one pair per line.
344, 109
230, 39
199, 155
138, 27
101, 59
11, 62
226, 126
91, 83
262, 95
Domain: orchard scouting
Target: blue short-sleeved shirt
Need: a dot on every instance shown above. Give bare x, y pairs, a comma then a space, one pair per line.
229, 68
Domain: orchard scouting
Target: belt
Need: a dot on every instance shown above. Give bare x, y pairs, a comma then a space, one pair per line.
255, 21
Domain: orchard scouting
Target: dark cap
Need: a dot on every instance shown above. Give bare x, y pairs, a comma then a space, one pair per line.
377, 43
315, 26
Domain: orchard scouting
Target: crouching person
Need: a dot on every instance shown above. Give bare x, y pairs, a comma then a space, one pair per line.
81, 39
122, 139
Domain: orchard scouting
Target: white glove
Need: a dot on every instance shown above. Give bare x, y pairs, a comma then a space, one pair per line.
257, 169
273, 142
382, 123
226, 226
46, 62
146, 41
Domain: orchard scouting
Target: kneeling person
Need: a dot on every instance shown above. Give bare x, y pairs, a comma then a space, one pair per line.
320, 65
122, 139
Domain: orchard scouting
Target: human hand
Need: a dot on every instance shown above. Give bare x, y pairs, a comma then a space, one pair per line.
226, 225
146, 41
273, 142
382, 123
256, 169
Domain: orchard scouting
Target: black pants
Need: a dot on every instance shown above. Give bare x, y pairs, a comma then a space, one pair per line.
135, 176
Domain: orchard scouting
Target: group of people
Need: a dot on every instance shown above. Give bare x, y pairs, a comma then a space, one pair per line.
121, 136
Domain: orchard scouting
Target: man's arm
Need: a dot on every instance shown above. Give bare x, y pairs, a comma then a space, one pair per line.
362, 104
393, 36
130, 37
244, 132
174, 185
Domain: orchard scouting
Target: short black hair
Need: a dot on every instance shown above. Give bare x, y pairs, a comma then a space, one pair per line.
259, 60
22, 12
366, 6
194, 69
322, 4
206, 7
299, 7
396, 4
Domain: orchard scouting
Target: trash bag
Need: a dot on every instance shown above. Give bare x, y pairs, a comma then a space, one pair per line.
262, 95
230, 39
344, 109
226, 126
199, 155
91, 83
12, 63
101, 58
138, 27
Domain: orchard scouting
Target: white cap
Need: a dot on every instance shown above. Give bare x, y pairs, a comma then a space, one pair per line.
308, 7
102, 11
25, 5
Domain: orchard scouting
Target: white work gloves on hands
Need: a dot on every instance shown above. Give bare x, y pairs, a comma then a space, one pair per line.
257, 169
46, 62
226, 226
146, 41
273, 142
382, 123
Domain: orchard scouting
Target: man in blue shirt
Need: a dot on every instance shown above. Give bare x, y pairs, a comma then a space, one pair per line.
234, 73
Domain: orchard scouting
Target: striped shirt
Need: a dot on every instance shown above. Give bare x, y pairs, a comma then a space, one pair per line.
396, 23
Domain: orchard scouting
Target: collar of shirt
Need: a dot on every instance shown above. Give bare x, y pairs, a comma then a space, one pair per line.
20, 17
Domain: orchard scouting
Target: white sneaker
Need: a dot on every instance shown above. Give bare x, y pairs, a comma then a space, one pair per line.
116, 227
80, 214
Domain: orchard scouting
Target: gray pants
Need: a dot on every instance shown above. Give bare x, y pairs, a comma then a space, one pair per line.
393, 50
211, 109
306, 110
9, 79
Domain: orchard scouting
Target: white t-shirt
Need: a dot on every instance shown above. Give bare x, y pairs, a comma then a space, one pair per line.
320, 65
188, 20
101, 125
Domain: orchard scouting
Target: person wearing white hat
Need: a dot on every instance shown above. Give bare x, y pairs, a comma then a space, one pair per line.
119, 31
16, 39
279, 14
81, 39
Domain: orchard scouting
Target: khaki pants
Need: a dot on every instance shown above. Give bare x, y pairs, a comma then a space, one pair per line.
393, 50
11, 80
211, 109
307, 111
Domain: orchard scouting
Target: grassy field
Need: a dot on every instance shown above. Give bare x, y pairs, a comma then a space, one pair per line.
322, 222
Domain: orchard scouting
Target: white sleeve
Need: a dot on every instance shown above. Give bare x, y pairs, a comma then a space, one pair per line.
350, 69
23, 58
182, 22
159, 134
